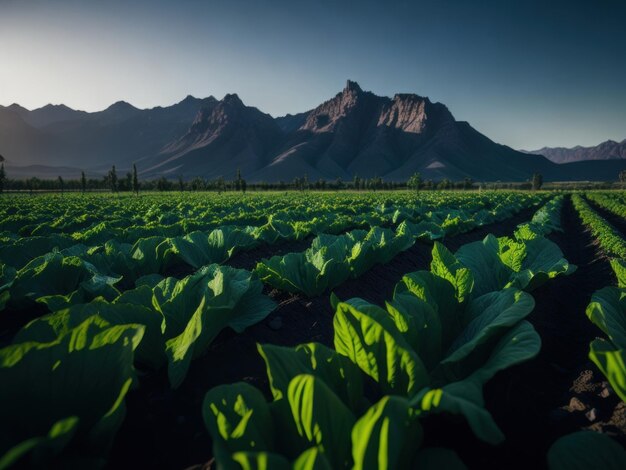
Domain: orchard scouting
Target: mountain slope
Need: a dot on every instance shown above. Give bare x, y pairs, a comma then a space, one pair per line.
224, 136
608, 150
354, 133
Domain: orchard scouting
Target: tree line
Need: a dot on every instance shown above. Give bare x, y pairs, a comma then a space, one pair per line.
130, 183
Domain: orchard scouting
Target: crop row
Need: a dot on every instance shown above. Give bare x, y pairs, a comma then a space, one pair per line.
429, 351
611, 203
607, 310
96, 219
610, 239
275, 225
331, 260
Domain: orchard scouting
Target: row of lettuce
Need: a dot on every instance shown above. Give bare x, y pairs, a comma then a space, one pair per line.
429, 351
95, 219
78, 273
607, 309
84, 356
332, 259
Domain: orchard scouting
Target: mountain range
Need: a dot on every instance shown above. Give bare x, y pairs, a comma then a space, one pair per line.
608, 150
354, 133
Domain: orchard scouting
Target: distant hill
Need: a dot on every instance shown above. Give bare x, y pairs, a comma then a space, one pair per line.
354, 133
608, 150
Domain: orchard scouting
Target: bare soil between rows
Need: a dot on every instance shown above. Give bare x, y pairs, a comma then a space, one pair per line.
164, 429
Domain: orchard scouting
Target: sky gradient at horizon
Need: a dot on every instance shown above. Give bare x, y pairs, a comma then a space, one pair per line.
526, 74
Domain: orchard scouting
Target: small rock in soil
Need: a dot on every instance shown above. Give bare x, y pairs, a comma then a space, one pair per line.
591, 414
576, 405
276, 323
605, 392
584, 383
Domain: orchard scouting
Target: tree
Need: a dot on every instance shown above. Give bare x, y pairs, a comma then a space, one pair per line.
135, 181
162, 184
415, 181
83, 182
238, 180
3, 177
622, 177
356, 182
240, 183
537, 181
296, 183
181, 184
113, 179
61, 183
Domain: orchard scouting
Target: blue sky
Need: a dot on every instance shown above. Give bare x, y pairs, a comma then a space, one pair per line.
525, 73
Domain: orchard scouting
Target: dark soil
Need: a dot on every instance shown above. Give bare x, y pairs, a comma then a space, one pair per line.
164, 428
249, 259
560, 391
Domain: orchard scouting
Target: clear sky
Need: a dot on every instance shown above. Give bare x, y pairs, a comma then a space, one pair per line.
525, 73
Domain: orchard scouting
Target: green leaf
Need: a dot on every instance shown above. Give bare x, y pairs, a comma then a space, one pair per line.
238, 419
447, 266
54, 279
312, 459
607, 311
420, 325
151, 350
260, 461
463, 398
337, 371
94, 395
619, 268
321, 419
370, 339
542, 260
41, 450
482, 258
585, 450
612, 363
488, 319
386, 436
198, 307
439, 294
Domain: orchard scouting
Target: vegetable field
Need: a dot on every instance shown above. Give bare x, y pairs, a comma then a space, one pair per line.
313, 331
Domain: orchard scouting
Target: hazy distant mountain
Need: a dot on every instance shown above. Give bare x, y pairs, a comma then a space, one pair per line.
353, 133
49, 114
609, 150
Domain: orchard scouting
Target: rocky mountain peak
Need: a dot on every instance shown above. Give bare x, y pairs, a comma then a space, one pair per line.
352, 87
232, 99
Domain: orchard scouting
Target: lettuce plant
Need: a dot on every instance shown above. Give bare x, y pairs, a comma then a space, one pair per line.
607, 311
181, 317
65, 392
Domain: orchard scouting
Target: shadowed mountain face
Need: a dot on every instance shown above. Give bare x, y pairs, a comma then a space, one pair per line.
354, 133
609, 150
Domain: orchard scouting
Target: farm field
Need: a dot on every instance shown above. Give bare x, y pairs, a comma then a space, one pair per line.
313, 330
